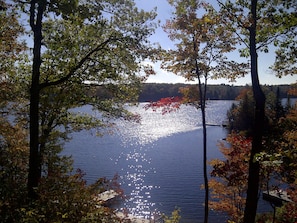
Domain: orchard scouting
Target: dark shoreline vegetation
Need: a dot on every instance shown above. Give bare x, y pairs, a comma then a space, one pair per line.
156, 91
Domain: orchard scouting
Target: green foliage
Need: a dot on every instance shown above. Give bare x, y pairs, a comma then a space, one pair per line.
277, 162
284, 144
10, 32
11, 53
229, 182
76, 44
201, 43
104, 48
241, 116
67, 198
281, 158
276, 30
63, 197
13, 132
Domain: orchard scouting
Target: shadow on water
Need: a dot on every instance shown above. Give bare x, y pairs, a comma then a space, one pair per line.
159, 160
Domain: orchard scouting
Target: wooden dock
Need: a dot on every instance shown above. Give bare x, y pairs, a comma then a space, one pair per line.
277, 197
107, 195
224, 124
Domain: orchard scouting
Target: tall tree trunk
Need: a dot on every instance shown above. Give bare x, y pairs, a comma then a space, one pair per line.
202, 98
34, 157
205, 172
254, 167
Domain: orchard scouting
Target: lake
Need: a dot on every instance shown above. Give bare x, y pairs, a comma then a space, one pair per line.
159, 160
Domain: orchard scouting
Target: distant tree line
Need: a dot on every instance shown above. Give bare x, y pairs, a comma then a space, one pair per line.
156, 91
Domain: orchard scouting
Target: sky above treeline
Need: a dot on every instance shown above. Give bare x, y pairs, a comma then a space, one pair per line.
164, 11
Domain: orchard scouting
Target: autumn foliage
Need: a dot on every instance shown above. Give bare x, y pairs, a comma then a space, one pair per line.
277, 169
166, 105
190, 96
229, 185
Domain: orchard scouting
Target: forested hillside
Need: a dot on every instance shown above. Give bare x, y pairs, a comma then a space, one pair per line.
156, 91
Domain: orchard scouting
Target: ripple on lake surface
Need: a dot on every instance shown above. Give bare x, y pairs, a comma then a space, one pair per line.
159, 160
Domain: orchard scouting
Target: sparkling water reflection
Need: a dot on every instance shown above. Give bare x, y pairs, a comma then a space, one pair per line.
154, 125
159, 160
136, 165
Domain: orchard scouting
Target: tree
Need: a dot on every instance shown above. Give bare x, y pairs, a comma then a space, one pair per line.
229, 185
11, 52
106, 52
14, 155
10, 31
241, 116
75, 42
13, 134
286, 147
279, 156
68, 198
258, 25
201, 42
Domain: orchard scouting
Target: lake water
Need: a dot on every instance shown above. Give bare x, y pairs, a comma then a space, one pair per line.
159, 160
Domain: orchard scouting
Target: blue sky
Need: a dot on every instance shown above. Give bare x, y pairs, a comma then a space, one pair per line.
164, 12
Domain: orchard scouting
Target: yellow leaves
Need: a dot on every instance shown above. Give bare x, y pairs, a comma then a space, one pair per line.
15, 137
190, 94
174, 218
202, 41
226, 200
291, 136
207, 19
215, 162
229, 187
65, 215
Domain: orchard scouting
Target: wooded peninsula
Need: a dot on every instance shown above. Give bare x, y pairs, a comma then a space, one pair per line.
156, 91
